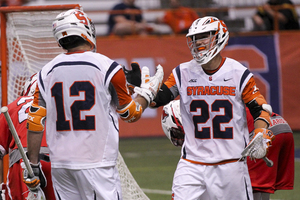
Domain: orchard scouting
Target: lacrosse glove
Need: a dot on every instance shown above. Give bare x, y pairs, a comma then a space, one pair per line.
259, 145
38, 180
133, 76
150, 85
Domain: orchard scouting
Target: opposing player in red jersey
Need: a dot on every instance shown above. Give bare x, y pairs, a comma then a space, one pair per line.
266, 180
18, 110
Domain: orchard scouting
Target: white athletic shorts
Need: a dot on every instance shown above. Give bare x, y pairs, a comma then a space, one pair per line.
101, 183
211, 182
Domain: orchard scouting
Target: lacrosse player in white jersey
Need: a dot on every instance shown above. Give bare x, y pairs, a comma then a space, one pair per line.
213, 92
79, 95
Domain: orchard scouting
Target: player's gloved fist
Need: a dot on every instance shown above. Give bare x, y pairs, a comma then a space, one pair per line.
150, 85
37, 180
133, 76
268, 137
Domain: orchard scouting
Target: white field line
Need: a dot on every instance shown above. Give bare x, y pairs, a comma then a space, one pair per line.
167, 192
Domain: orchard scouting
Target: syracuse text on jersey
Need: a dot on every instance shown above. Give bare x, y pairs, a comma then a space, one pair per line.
211, 90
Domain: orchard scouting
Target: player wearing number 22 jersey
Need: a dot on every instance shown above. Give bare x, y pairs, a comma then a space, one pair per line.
213, 92
213, 105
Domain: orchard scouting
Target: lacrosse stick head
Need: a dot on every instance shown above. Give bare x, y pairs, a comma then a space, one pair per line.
256, 148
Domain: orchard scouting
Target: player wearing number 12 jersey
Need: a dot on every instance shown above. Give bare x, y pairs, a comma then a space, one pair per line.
81, 93
213, 92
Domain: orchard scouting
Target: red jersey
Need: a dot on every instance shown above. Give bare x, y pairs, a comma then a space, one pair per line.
281, 175
18, 111
15, 188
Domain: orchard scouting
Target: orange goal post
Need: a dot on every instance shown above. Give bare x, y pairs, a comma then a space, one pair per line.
27, 44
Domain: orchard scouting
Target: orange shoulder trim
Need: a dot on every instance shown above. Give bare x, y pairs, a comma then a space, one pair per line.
252, 92
170, 82
119, 83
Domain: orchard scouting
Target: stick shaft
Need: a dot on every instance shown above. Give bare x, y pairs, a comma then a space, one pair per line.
17, 140
268, 161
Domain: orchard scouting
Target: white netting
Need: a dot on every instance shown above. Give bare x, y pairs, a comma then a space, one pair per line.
31, 45
130, 189
256, 148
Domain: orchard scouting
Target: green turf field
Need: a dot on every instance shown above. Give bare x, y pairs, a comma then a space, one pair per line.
152, 162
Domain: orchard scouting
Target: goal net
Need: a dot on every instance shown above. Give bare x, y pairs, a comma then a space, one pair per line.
27, 44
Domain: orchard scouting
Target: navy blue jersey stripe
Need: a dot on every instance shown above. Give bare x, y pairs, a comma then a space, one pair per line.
245, 75
247, 194
73, 63
177, 69
112, 119
111, 68
184, 153
41, 81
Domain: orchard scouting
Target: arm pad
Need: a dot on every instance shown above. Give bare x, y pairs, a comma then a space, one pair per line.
163, 97
131, 113
36, 118
257, 111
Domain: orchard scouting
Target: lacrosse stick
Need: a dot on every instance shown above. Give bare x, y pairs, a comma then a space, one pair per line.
268, 161
255, 145
33, 195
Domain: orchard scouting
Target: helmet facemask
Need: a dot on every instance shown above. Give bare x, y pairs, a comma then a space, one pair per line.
202, 46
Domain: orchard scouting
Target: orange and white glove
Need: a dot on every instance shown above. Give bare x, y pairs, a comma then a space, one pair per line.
268, 137
258, 147
150, 85
267, 140
38, 180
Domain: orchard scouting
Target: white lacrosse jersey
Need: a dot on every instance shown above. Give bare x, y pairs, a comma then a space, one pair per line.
81, 124
213, 111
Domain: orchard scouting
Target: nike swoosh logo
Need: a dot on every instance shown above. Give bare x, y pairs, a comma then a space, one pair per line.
227, 79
